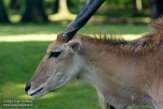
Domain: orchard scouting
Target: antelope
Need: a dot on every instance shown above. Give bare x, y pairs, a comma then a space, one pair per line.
124, 73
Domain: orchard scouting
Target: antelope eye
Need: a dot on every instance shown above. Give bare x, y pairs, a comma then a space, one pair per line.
55, 54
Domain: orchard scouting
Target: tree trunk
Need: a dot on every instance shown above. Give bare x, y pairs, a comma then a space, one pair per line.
3, 13
137, 6
63, 8
34, 12
15, 4
56, 6
157, 8
63, 12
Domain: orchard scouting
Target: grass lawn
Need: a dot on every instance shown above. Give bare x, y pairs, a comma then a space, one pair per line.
18, 61
55, 28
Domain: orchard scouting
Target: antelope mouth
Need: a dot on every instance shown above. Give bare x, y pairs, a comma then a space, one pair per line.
36, 92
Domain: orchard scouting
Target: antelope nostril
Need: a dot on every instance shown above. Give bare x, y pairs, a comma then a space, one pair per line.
28, 85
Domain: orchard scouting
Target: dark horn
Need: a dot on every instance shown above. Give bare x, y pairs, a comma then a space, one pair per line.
82, 18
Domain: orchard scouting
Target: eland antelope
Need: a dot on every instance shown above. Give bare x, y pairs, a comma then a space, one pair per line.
125, 73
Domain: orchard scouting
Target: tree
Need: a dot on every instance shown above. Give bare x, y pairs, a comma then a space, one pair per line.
137, 6
62, 10
34, 11
15, 4
3, 13
56, 6
157, 8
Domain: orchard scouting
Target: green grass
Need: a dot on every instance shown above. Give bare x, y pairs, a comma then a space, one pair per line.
18, 61
55, 28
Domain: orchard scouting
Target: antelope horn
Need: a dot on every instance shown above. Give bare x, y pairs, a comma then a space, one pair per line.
82, 18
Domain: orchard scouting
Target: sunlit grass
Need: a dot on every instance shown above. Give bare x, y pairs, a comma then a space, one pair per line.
8, 91
50, 37
30, 37
139, 19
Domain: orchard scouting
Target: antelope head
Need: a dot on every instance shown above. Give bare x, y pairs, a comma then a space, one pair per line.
62, 60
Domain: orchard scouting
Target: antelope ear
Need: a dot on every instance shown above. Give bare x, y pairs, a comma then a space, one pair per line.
75, 45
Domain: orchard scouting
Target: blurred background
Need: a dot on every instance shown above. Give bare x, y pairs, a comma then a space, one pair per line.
28, 26
43, 11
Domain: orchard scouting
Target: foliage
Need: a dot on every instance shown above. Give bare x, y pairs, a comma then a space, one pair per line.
119, 4
109, 9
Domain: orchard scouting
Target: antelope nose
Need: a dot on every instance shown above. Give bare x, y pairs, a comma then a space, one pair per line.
28, 86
